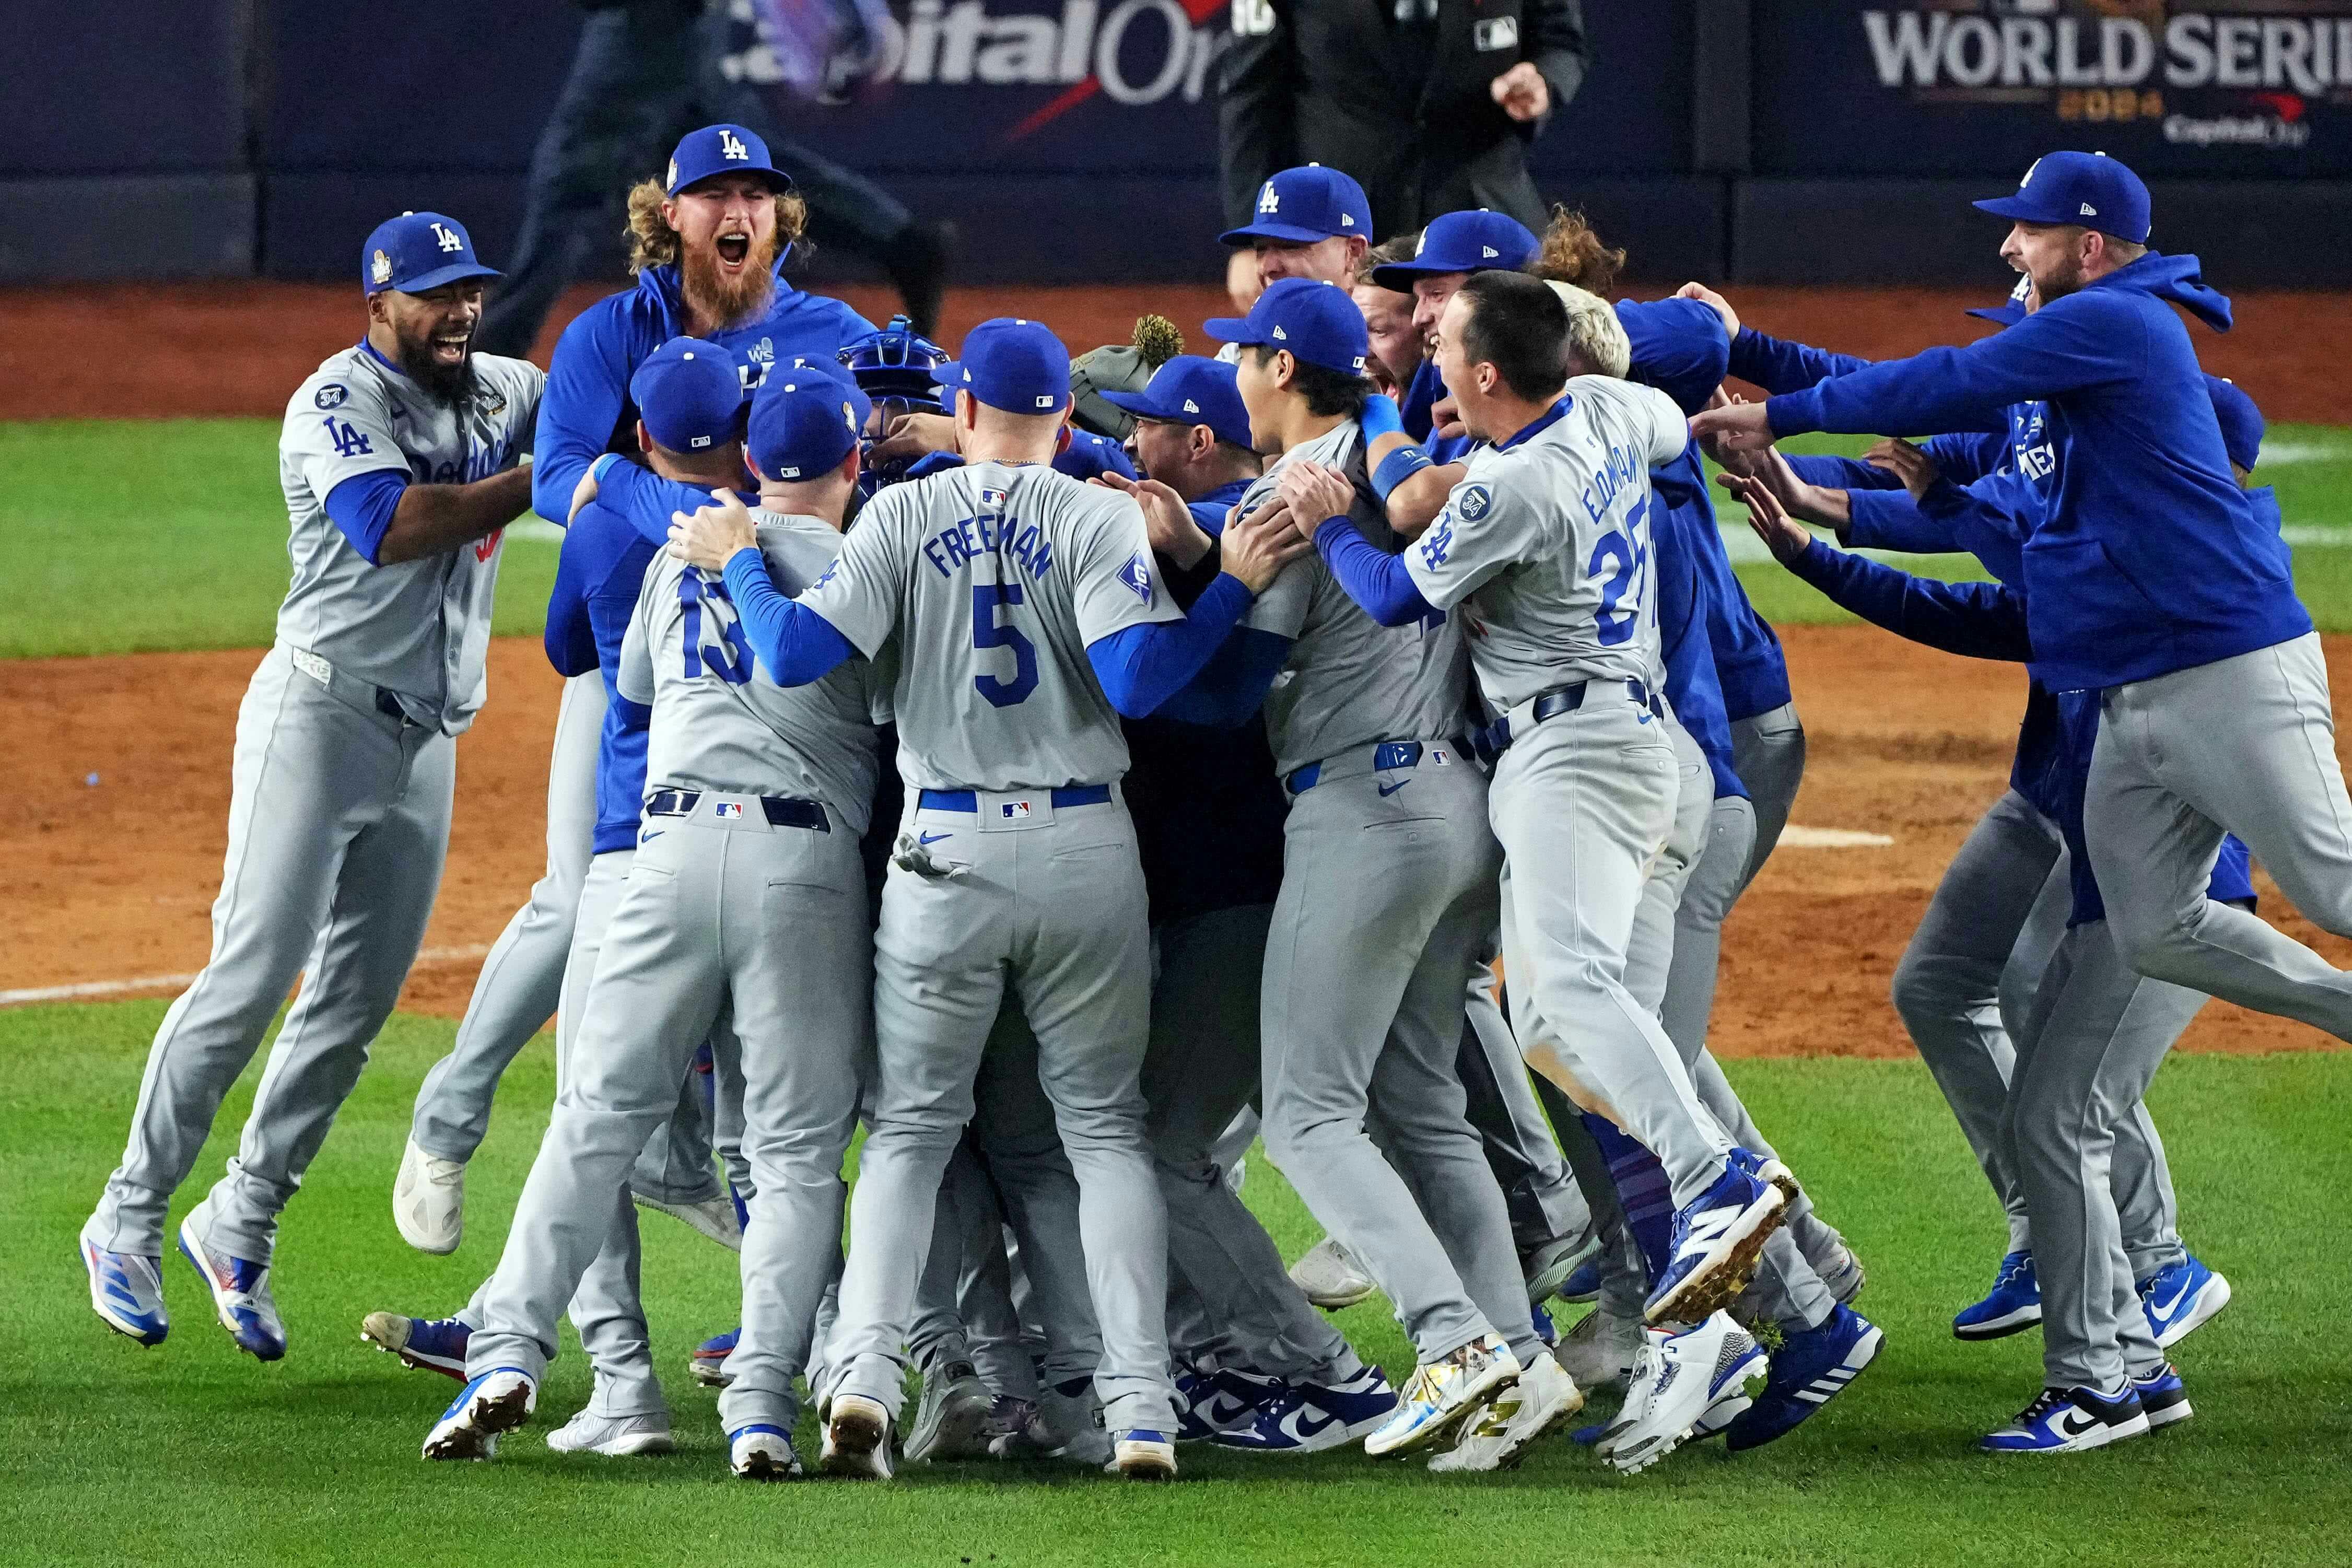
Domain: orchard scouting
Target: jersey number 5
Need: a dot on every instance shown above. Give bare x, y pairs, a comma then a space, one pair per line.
987, 598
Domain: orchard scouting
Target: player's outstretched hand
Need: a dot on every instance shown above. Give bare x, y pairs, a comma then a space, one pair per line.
581, 494
707, 537
1522, 91
1741, 463
1315, 494
1166, 518
1257, 547
1784, 536
1446, 421
1735, 426
1712, 302
1906, 462
913, 436
1241, 278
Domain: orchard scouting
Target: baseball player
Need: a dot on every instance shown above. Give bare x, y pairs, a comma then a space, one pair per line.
399, 462
2153, 580
1309, 222
755, 796
692, 431
1016, 863
1547, 543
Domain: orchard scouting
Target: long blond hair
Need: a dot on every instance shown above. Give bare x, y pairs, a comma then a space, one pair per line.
654, 242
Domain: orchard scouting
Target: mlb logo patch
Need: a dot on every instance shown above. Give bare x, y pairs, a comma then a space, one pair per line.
726, 809
1437, 755
1136, 574
1013, 810
991, 498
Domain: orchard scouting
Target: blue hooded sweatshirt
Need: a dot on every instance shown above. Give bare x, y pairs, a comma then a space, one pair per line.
2151, 559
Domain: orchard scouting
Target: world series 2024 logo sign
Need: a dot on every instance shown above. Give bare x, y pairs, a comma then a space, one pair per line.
2209, 73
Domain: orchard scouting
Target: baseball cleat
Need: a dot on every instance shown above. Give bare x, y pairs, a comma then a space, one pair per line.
498, 1401
433, 1344
1063, 1424
1302, 1417
126, 1290
714, 1217
709, 1363
1810, 1369
2069, 1421
1717, 1239
2011, 1306
615, 1437
1583, 1284
1599, 1349
428, 1201
762, 1454
856, 1440
952, 1418
2181, 1297
1443, 1394
240, 1289
1330, 1276
1552, 1265
1499, 1435
1710, 1373
1141, 1454
1221, 1400
2163, 1396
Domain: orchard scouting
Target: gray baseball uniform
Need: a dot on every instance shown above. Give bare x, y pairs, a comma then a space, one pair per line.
1546, 543
746, 901
1388, 901
339, 807
1017, 865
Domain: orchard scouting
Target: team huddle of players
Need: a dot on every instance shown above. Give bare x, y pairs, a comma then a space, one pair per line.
1071, 776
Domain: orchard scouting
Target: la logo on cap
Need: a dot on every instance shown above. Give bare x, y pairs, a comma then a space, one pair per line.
1267, 201
449, 241
732, 148
379, 268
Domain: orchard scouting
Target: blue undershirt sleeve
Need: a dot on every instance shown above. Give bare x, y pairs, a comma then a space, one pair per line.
1375, 580
362, 505
1976, 620
647, 499
796, 644
1232, 686
1141, 667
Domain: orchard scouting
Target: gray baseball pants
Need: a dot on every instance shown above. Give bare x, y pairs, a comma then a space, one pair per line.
1539, 1189
2245, 746
1388, 896
1051, 903
338, 825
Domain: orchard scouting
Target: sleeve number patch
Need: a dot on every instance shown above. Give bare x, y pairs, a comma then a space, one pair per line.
987, 632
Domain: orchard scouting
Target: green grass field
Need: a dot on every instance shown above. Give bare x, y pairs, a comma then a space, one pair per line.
72, 491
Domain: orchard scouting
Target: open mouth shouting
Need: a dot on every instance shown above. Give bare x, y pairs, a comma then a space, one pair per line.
734, 252
450, 344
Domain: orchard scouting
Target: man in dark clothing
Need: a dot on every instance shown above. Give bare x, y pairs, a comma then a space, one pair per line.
1430, 103
646, 72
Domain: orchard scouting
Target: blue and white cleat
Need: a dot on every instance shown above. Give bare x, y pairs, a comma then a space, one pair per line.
2163, 1396
2011, 1306
2181, 1297
2069, 1421
240, 1289
431, 1345
1140, 1454
126, 1290
1222, 1400
1442, 1393
1717, 1239
709, 1364
1711, 1372
498, 1401
1303, 1418
1810, 1370
762, 1454
1583, 1285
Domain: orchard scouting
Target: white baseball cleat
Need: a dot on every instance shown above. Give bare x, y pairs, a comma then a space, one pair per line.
1599, 1351
856, 1440
126, 1290
1442, 1393
762, 1454
498, 1401
1713, 1371
1142, 1455
714, 1217
1330, 1276
617, 1437
1498, 1435
428, 1201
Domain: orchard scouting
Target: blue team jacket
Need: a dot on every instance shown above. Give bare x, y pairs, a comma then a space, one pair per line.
2150, 559
598, 576
585, 409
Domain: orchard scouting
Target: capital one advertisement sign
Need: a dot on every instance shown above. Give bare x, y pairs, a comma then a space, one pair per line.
2180, 89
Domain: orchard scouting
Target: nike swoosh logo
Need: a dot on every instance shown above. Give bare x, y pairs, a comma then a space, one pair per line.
932, 838
1392, 789
1309, 1426
2074, 1423
2166, 1308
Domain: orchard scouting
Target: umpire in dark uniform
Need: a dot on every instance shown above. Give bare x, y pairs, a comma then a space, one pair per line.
644, 73
1430, 104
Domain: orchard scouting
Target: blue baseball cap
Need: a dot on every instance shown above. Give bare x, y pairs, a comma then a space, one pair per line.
1013, 364
2087, 188
417, 251
722, 150
2010, 312
1316, 320
1191, 390
2241, 422
1478, 242
805, 418
1306, 204
688, 395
